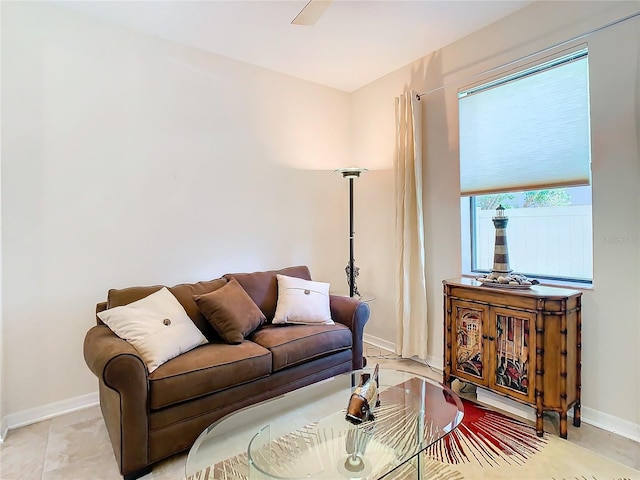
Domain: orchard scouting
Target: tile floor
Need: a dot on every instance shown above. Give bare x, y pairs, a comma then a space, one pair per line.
76, 446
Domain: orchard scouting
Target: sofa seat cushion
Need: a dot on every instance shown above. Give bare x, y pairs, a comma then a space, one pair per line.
294, 344
207, 369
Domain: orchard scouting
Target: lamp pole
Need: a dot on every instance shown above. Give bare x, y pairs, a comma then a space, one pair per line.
352, 271
351, 234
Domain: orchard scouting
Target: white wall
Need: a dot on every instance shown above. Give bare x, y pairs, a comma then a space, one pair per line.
3, 422
130, 160
611, 310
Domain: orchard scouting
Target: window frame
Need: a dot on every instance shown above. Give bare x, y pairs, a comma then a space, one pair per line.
469, 254
469, 223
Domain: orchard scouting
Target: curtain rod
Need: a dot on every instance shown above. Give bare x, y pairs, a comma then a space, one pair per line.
578, 37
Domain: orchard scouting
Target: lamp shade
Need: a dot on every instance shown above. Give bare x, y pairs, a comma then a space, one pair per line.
351, 172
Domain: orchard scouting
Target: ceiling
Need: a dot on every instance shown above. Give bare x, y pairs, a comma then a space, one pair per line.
352, 44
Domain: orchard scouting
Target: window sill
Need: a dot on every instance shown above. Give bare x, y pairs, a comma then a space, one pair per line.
567, 284
550, 283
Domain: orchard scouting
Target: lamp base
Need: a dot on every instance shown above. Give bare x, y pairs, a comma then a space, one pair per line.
356, 272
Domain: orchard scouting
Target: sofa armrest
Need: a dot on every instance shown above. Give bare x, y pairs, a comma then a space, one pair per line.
124, 395
354, 314
101, 346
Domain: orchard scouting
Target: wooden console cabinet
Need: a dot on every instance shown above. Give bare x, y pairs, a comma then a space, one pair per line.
523, 344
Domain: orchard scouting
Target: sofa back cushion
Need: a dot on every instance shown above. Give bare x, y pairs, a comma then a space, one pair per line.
262, 287
183, 292
230, 311
118, 297
157, 326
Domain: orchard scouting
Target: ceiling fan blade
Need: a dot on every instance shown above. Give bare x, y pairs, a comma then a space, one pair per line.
311, 12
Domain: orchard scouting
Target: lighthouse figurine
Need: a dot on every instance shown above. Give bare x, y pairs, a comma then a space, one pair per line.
501, 275
500, 250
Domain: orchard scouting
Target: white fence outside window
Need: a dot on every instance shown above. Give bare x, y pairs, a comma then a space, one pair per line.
550, 241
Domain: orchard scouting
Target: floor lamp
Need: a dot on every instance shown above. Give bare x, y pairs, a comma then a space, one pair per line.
352, 271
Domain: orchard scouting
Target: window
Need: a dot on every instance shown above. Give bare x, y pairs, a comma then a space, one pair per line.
525, 145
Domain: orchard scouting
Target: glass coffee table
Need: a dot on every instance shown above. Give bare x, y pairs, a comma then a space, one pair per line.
304, 435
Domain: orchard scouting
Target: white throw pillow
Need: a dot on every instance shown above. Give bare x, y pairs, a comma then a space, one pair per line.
157, 326
302, 301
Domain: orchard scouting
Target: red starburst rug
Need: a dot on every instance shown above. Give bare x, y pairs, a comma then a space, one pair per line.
489, 439
490, 445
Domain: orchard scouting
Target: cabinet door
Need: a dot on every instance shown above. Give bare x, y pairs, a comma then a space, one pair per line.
512, 351
468, 349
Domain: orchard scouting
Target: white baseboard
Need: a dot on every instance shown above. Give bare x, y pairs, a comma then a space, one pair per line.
434, 362
607, 422
380, 343
50, 410
506, 404
4, 428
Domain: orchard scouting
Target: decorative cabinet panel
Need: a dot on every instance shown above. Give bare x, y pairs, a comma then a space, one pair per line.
469, 353
512, 358
523, 344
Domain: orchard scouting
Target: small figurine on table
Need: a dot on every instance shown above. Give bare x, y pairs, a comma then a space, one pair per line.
364, 398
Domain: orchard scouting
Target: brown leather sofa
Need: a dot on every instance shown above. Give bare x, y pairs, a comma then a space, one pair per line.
150, 417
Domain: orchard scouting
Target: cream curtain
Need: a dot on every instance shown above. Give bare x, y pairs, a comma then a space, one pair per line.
411, 338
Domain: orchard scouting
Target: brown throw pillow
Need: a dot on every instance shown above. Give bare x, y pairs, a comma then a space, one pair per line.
230, 311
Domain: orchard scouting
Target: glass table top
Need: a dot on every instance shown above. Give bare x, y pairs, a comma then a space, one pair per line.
304, 433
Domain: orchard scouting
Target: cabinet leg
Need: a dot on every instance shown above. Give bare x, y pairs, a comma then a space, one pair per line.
539, 423
563, 425
576, 414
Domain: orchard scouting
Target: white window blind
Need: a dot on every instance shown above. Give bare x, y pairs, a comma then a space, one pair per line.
527, 131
